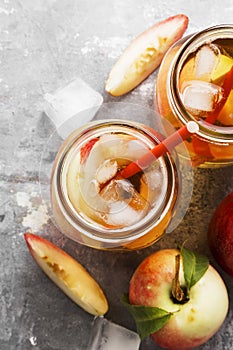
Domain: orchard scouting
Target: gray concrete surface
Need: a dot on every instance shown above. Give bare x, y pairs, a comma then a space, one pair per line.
44, 45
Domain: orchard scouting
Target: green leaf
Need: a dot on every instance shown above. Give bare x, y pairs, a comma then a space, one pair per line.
148, 319
194, 266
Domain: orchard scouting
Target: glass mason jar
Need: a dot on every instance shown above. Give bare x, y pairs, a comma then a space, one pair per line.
195, 82
96, 211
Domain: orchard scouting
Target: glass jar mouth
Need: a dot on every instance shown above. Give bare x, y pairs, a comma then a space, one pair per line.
88, 227
207, 131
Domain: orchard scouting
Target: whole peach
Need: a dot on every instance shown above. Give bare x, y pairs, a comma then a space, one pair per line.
193, 322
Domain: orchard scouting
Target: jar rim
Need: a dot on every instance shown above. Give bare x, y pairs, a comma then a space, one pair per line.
131, 232
207, 131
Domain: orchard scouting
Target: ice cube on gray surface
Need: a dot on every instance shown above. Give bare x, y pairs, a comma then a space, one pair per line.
72, 106
107, 335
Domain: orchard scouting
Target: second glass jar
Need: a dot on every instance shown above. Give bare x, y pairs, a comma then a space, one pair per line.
195, 82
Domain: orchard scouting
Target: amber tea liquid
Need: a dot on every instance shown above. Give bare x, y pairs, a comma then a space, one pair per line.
199, 86
94, 206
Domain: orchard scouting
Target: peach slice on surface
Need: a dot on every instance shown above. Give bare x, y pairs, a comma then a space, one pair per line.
145, 54
69, 275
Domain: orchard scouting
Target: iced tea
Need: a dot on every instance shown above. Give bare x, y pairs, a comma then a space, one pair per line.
195, 82
96, 207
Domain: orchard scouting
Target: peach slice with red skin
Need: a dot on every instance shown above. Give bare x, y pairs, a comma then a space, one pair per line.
145, 54
86, 149
69, 275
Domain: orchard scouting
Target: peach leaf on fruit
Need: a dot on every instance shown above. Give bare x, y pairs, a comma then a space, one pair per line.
194, 265
151, 319
177, 298
148, 319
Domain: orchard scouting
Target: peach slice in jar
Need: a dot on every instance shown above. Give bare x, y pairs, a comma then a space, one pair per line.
68, 274
187, 73
223, 67
227, 87
226, 115
145, 54
221, 152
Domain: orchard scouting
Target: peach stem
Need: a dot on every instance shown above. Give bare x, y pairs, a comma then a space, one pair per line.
165, 146
177, 292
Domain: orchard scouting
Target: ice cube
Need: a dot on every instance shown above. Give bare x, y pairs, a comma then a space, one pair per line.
117, 190
206, 60
200, 96
121, 145
125, 205
72, 106
136, 149
121, 215
153, 178
107, 335
106, 171
93, 189
114, 145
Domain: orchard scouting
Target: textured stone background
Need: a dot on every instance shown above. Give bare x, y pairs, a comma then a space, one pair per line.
44, 45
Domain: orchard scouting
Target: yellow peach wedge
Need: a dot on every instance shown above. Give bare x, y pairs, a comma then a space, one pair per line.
144, 54
69, 275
